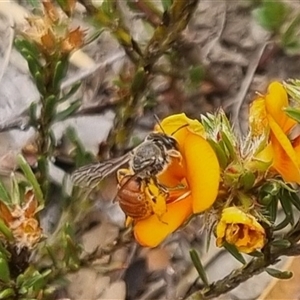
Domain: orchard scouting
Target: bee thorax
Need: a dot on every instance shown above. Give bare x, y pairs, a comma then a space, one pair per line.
149, 159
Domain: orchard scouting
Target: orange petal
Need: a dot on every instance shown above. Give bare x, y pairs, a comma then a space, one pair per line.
151, 232
173, 175
296, 146
276, 101
203, 171
285, 159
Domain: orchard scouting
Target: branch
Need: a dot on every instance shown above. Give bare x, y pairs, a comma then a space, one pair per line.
238, 276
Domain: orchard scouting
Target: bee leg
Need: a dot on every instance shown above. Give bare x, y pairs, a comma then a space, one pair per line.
174, 154
121, 173
158, 198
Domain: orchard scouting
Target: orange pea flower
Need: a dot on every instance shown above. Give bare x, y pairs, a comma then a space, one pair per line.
198, 170
267, 116
240, 229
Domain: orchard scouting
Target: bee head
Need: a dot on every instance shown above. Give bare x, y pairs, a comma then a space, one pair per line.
166, 141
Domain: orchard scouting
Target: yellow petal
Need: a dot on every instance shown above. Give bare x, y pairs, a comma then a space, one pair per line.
202, 171
276, 101
240, 229
235, 215
151, 232
177, 122
285, 159
258, 122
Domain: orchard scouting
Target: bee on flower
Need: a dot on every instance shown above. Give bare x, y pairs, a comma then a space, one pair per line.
172, 175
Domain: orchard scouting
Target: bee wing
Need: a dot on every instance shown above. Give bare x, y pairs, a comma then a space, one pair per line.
91, 175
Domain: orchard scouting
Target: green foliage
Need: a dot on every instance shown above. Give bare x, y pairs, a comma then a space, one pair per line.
279, 274
234, 252
198, 265
196, 75
29, 175
271, 14
81, 156
281, 20
290, 36
293, 113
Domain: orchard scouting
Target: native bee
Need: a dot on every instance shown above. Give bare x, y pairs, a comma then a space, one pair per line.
140, 197
139, 192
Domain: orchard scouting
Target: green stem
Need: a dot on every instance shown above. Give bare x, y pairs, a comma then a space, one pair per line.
165, 35
43, 149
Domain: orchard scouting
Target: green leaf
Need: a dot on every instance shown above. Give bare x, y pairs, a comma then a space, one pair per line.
31, 178
256, 253
34, 3
20, 280
4, 194
199, 267
221, 155
285, 222
65, 6
15, 191
94, 36
36, 281
50, 106
166, 4
63, 115
272, 209
289, 37
4, 253
4, 270
293, 113
7, 293
229, 145
267, 193
279, 274
234, 252
271, 15
33, 113
6, 231
295, 200
266, 200
287, 206
71, 92
33, 65
109, 7
52, 256
270, 188
39, 81
281, 243
60, 72
139, 81
82, 157
196, 74
25, 48
247, 180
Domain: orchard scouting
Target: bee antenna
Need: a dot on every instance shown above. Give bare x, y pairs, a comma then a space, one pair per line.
185, 125
159, 123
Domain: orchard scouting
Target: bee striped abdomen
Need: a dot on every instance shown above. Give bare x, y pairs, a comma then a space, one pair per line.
132, 199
